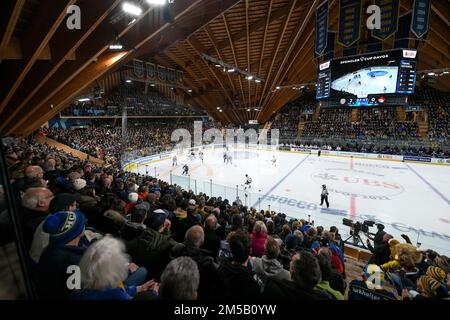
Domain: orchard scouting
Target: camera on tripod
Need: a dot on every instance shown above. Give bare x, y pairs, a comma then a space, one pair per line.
356, 228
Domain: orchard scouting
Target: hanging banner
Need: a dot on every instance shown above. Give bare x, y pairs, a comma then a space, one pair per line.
321, 27
349, 22
138, 68
389, 19
180, 76
420, 17
151, 71
161, 73
171, 74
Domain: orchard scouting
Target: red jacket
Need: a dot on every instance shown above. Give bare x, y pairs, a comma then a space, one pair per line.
258, 242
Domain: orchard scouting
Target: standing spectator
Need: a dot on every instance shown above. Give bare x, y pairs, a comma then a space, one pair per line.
380, 254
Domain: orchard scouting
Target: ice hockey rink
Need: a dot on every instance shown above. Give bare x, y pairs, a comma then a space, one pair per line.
408, 198
361, 83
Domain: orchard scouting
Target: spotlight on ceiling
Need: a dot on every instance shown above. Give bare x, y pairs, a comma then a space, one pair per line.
131, 9
249, 78
157, 2
231, 70
218, 65
278, 87
190, 90
248, 110
115, 46
220, 110
431, 73
258, 81
128, 81
84, 100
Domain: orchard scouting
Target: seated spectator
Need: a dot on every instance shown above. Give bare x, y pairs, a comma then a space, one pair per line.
325, 269
66, 229
180, 280
105, 268
236, 281
334, 277
373, 286
258, 239
212, 239
305, 276
268, 266
427, 289
154, 244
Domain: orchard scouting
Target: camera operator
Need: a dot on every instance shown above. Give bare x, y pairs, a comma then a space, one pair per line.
378, 238
381, 253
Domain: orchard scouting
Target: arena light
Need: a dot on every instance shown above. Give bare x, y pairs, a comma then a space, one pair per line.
218, 65
278, 87
152, 85
431, 73
445, 72
258, 81
128, 81
131, 9
248, 110
190, 90
231, 70
115, 46
249, 78
84, 100
220, 110
132, 21
156, 2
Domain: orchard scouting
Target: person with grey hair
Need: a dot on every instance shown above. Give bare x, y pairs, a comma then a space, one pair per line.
204, 259
35, 207
212, 238
180, 280
104, 270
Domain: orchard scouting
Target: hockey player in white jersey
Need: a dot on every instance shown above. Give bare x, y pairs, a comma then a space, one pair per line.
248, 182
174, 161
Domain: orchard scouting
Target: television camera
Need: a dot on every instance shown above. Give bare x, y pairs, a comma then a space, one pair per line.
356, 228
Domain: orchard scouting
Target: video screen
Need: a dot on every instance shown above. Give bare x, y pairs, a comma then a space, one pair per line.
367, 80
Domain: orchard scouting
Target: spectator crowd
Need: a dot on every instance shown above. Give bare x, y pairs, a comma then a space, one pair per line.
136, 237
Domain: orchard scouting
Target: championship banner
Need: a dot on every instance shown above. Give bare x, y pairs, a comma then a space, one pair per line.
138, 68
420, 17
321, 27
180, 76
161, 73
171, 74
151, 71
389, 19
349, 22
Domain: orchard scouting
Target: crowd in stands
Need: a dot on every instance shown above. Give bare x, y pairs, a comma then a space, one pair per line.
137, 237
132, 96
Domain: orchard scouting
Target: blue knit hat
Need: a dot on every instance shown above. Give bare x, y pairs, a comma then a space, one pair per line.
64, 226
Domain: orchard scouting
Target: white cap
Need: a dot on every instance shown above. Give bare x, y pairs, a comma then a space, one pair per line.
79, 184
133, 197
192, 201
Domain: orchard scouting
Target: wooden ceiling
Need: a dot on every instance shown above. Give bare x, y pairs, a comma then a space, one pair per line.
47, 65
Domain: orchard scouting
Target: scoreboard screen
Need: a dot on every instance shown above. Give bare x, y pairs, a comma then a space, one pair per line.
367, 80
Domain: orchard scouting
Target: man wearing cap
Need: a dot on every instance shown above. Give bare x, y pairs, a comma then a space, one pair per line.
65, 229
61, 202
154, 245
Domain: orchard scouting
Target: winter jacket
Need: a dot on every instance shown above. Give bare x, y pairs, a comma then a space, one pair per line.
153, 251
212, 241
282, 289
358, 290
236, 282
30, 220
325, 286
51, 273
381, 254
206, 267
267, 268
258, 242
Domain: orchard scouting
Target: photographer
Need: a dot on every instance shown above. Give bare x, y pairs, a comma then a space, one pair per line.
378, 238
381, 253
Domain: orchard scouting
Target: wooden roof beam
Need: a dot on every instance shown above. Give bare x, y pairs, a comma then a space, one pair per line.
39, 32
9, 15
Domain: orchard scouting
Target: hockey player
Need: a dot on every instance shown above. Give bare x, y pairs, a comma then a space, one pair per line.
200, 155
274, 161
248, 182
185, 170
229, 160
225, 156
174, 161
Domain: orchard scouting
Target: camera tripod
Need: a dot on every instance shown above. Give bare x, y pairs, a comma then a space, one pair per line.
356, 239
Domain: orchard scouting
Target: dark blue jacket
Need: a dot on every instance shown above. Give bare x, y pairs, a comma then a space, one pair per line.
126, 293
51, 273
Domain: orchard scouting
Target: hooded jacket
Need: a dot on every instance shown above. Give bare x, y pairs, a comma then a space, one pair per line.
267, 268
153, 251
